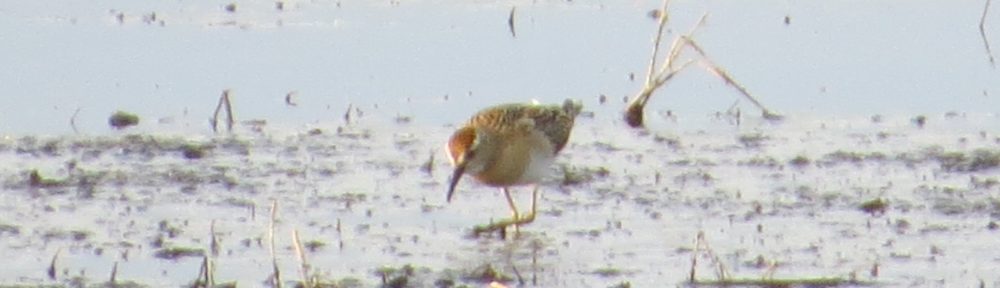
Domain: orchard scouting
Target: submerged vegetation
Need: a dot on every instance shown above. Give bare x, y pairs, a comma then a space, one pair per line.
122, 120
228, 172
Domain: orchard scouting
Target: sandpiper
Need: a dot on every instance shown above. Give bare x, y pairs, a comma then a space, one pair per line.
510, 145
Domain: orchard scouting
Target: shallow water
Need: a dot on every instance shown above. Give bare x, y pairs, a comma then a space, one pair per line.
639, 218
849, 76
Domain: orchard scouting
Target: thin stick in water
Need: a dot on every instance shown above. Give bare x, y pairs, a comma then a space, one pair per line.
694, 258
229, 111
721, 73
270, 236
662, 23
223, 102
982, 32
114, 275
207, 273
303, 264
510, 22
72, 120
202, 279
347, 114
215, 240
215, 116
52, 265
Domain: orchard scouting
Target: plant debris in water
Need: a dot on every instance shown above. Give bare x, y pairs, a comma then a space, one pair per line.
174, 253
145, 186
979, 160
122, 119
193, 151
875, 206
486, 273
800, 161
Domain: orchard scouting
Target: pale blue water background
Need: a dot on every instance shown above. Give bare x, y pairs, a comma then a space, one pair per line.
834, 58
835, 65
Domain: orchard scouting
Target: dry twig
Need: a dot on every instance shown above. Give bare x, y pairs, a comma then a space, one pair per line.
215, 246
721, 73
52, 265
72, 120
510, 22
656, 78
114, 275
303, 264
270, 237
701, 246
206, 274
224, 101
982, 32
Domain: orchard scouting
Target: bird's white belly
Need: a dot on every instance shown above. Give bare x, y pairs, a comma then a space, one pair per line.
537, 169
542, 158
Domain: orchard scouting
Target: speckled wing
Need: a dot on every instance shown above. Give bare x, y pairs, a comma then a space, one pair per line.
554, 121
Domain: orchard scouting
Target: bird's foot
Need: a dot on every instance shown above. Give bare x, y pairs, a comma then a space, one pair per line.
501, 226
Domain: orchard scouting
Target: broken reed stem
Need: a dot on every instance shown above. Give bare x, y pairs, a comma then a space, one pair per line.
679, 44
208, 262
694, 257
633, 114
52, 265
510, 22
270, 236
215, 240
210, 272
72, 120
701, 246
654, 80
303, 264
206, 274
707, 63
721, 272
229, 112
666, 71
982, 32
215, 116
199, 280
656, 42
667, 77
347, 114
114, 275
223, 102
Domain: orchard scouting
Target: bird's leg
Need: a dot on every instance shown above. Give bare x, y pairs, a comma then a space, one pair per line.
534, 207
513, 209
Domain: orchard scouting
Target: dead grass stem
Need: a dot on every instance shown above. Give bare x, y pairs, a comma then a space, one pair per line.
724, 279
224, 101
982, 32
270, 237
656, 78
303, 263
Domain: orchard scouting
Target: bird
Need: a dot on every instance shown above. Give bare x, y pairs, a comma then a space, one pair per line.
511, 145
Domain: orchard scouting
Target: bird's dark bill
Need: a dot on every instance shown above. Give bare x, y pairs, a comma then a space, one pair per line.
455, 176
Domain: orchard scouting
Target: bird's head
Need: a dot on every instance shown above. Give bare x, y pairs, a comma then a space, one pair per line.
464, 151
